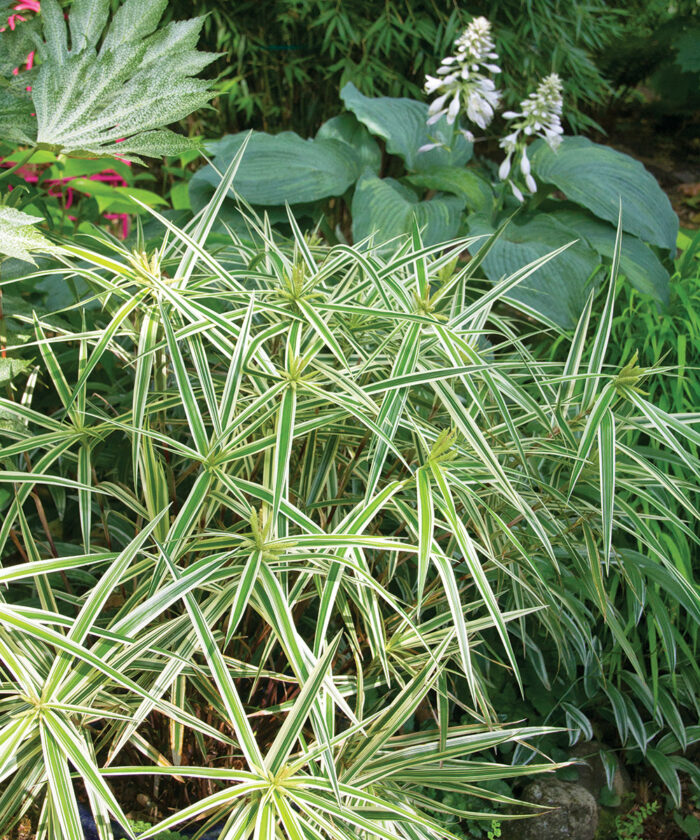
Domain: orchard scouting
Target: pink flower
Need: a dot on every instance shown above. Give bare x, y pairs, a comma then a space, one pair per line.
24, 6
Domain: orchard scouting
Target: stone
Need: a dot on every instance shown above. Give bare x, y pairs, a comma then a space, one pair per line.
592, 774
575, 817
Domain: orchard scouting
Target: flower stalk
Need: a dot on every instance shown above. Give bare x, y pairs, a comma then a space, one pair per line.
463, 84
540, 116
463, 81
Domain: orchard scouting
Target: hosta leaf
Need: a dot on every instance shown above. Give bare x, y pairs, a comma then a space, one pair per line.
401, 123
599, 178
458, 181
638, 262
115, 100
558, 290
347, 129
18, 236
386, 208
280, 168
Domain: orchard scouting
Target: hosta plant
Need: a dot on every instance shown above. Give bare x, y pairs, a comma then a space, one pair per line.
561, 188
275, 516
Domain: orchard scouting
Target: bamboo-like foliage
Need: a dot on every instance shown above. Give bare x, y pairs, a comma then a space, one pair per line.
325, 492
386, 50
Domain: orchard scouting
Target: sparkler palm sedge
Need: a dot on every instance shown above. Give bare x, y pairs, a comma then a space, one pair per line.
352, 500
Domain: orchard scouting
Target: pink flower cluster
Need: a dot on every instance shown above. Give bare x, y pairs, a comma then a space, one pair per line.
60, 187
57, 186
25, 6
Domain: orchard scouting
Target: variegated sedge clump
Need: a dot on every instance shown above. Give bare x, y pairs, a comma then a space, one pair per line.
274, 501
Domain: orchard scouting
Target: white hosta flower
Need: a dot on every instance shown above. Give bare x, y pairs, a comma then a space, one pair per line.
540, 116
525, 169
483, 101
429, 146
516, 192
461, 81
475, 44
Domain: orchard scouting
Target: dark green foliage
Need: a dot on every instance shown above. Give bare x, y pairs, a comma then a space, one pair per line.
139, 826
665, 643
671, 337
661, 40
273, 61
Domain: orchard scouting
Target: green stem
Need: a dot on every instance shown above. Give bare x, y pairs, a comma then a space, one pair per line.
501, 190
537, 199
20, 163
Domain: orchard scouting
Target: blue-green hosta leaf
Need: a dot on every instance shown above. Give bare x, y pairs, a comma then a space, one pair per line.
279, 168
638, 262
558, 290
458, 181
347, 129
386, 208
599, 178
18, 236
401, 123
116, 99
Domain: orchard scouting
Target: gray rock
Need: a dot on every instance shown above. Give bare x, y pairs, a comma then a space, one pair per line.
592, 774
575, 817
